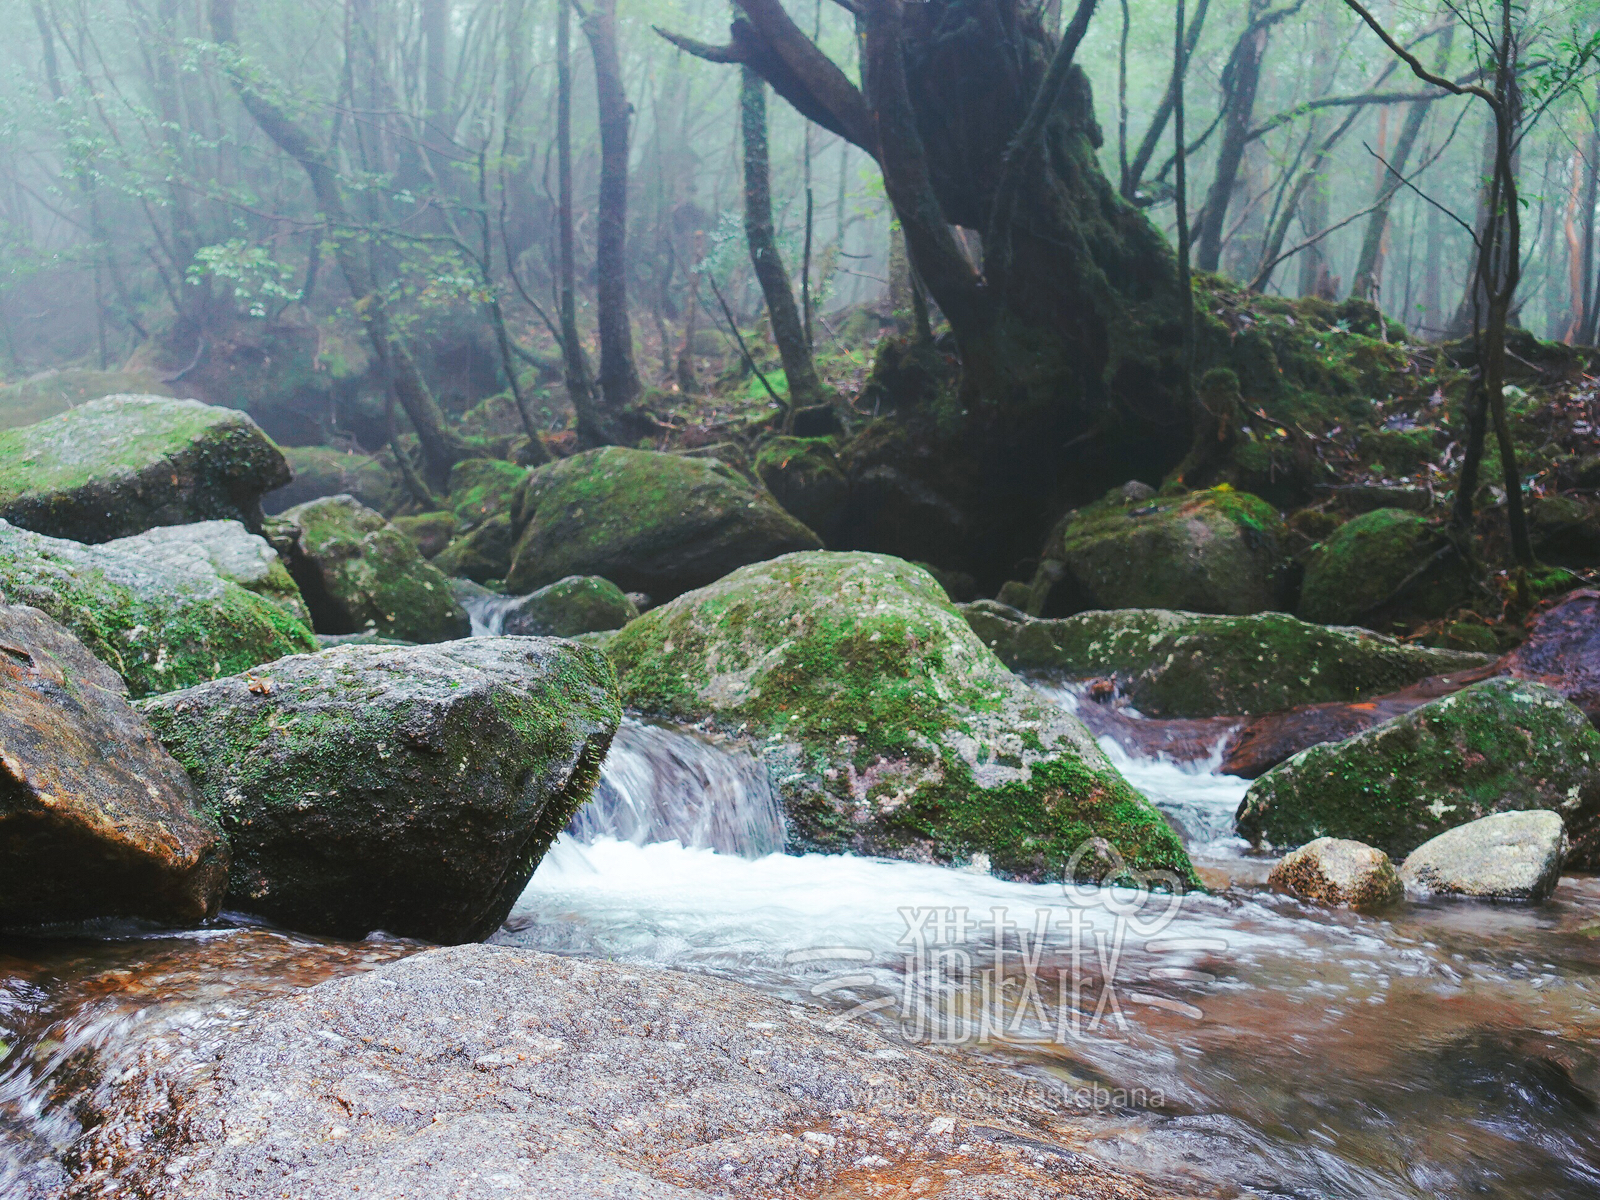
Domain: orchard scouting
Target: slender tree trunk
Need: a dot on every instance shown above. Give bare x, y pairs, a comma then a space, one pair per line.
1314, 278
1241, 79
1369, 266
1432, 284
1134, 174
1591, 197
788, 329
575, 363
619, 377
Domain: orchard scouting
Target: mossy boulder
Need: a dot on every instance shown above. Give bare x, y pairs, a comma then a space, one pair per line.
656, 523
123, 464
96, 819
1499, 746
805, 476
431, 531
568, 607
323, 471
481, 488
1565, 531
357, 572
481, 555
232, 551
408, 789
1178, 664
1387, 564
50, 393
1219, 551
160, 621
887, 726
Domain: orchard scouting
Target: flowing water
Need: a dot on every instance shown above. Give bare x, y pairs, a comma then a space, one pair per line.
1237, 1039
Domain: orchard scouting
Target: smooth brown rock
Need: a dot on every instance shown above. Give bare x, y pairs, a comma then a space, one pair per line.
1563, 650
96, 819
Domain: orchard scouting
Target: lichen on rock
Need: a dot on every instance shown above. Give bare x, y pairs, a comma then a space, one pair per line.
887, 726
358, 572
1497, 746
650, 522
123, 464
161, 622
1180, 664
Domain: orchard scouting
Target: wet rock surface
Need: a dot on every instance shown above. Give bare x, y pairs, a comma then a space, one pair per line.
406, 789
650, 522
1504, 856
887, 725
358, 573
1211, 552
1182, 664
96, 819
163, 617
484, 1071
1563, 650
1338, 873
123, 464
1497, 746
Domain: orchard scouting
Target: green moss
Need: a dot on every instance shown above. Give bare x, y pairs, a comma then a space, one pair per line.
1355, 574
887, 724
50, 393
481, 488
1498, 746
1175, 664
161, 627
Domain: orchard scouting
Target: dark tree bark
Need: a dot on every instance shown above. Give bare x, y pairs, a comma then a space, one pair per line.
1590, 317
1240, 80
788, 330
574, 362
619, 377
1070, 340
441, 449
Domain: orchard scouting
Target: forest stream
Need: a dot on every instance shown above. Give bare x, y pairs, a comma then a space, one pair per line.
1248, 1044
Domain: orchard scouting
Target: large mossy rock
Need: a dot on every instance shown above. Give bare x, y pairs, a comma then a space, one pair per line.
431, 531
231, 550
481, 488
887, 726
655, 523
1179, 664
1388, 564
481, 555
358, 573
1220, 551
96, 819
323, 471
568, 607
805, 476
161, 621
1498, 746
123, 464
407, 789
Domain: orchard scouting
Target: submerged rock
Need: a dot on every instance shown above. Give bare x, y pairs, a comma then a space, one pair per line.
357, 573
487, 1070
657, 523
235, 553
1210, 552
1497, 746
1384, 565
1338, 873
1504, 856
161, 620
407, 789
568, 607
886, 725
1179, 664
96, 819
123, 464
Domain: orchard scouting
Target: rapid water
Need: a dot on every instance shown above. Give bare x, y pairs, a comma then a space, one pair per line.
1237, 1042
